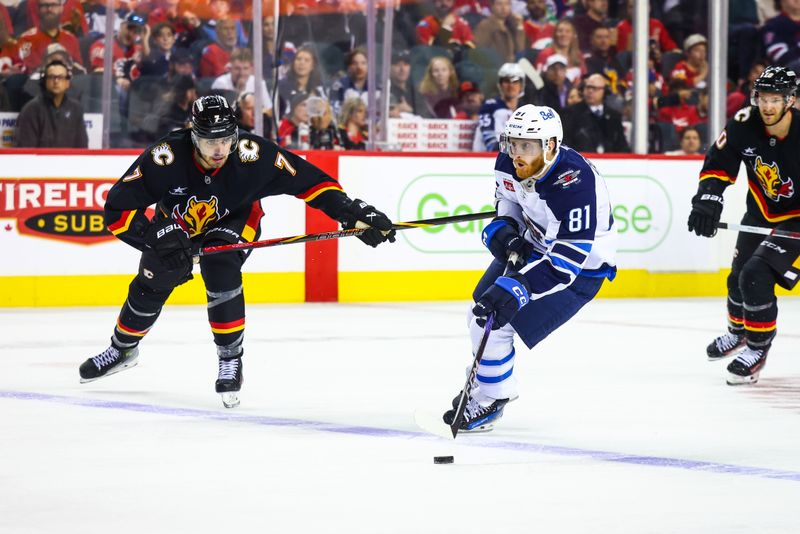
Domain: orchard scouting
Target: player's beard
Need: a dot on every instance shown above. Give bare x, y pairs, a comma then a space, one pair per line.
525, 170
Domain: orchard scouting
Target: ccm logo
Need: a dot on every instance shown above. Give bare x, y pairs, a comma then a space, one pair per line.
523, 300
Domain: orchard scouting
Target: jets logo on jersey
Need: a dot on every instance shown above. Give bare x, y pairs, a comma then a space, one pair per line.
769, 176
248, 151
199, 215
566, 179
162, 154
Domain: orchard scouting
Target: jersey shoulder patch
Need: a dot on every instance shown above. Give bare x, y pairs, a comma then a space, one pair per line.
248, 150
162, 154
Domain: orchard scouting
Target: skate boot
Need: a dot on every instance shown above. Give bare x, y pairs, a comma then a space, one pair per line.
747, 366
725, 345
110, 361
229, 381
479, 415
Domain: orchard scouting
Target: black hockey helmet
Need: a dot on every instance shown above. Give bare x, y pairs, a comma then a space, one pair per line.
213, 118
774, 79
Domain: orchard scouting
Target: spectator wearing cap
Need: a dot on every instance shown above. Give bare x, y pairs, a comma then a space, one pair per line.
590, 126
303, 77
291, 125
403, 90
33, 43
52, 119
501, 31
556, 84
470, 100
690, 143
444, 27
596, 15
439, 89
656, 30
565, 43
693, 69
240, 79
780, 35
128, 47
156, 63
353, 131
537, 24
215, 57
602, 59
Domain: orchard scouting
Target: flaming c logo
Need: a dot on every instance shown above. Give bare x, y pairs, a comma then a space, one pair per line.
769, 176
199, 215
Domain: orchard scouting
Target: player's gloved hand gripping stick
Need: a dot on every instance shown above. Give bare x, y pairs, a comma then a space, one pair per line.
336, 234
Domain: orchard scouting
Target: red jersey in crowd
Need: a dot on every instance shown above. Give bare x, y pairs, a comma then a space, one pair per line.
428, 30
534, 32
160, 14
33, 46
657, 33
214, 61
98, 49
681, 116
9, 56
684, 71
66, 17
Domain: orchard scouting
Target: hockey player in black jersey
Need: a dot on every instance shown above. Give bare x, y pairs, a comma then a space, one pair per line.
766, 137
206, 183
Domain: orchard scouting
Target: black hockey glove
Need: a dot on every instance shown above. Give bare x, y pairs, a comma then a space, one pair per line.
501, 237
380, 226
504, 298
706, 211
170, 242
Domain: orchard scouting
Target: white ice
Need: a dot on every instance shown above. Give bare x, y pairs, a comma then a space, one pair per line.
622, 426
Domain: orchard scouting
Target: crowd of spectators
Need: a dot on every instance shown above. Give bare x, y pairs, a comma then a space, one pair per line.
447, 55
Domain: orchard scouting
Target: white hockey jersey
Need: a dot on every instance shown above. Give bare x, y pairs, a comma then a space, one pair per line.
567, 216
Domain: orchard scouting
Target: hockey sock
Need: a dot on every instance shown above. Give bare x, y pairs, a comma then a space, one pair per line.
757, 282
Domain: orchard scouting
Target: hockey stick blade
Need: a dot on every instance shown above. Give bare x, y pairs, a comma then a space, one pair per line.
433, 423
336, 234
777, 232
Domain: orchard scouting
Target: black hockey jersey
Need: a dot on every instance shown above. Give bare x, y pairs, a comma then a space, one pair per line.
167, 175
772, 165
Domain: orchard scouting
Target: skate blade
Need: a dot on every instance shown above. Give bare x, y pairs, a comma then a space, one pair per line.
112, 371
736, 380
230, 399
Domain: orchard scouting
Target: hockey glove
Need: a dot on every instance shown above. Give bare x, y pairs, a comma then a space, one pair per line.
380, 226
706, 211
502, 238
170, 242
505, 298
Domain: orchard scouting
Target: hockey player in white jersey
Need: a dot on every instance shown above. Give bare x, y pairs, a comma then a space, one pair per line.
554, 213
494, 112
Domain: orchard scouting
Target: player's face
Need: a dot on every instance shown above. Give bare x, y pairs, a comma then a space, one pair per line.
772, 107
213, 153
510, 87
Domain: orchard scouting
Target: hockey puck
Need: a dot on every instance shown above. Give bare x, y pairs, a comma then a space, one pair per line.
443, 459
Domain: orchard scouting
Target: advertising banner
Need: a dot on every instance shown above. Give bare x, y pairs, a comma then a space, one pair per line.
430, 135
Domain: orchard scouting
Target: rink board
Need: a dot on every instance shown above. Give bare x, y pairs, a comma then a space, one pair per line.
58, 254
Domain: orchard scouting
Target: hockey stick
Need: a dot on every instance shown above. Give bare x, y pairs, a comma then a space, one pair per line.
758, 230
336, 234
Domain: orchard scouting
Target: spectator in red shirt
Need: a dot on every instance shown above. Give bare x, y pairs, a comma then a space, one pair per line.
565, 43
5, 19
33, 43
693, 69
71, 16
128, 49
444, 27
215, 58
291, 125
9, 52
168, 11
537, 25
470, 100
682, 114
657, 31
353, 124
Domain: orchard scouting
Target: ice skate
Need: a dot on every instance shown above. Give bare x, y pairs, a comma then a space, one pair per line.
110, 361
728, 344
747, 366
229, 381
479, 415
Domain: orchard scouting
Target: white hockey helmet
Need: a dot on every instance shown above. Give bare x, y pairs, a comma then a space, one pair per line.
529, 122
513, 72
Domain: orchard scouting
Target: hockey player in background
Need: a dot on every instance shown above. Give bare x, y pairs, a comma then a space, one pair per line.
554, 213
495, 112
766, 136
206, 183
